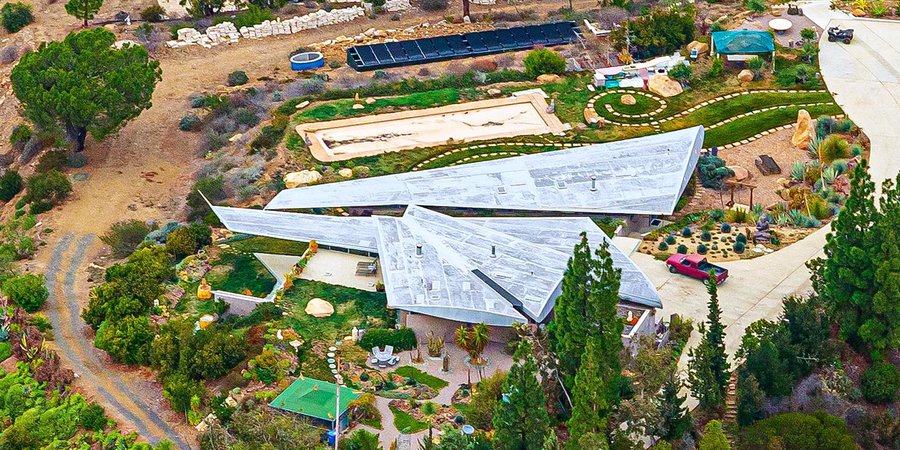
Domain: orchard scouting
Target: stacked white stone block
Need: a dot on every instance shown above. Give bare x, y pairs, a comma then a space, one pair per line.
396, 5
226, 32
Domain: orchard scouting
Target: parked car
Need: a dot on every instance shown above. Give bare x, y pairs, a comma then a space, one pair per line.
695, 266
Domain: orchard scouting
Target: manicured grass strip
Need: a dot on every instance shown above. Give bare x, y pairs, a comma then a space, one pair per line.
407, 423
643, 104
422, 377
344, 108
353, 307
724, 109
757, 123
376, 424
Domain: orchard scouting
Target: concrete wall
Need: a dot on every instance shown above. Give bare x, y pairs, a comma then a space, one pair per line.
239, 304
646, 326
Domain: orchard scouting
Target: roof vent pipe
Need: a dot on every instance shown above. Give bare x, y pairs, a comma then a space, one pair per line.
493, 251
593, 182
419, 250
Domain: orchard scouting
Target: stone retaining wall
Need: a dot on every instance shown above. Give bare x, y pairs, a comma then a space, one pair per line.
226, 32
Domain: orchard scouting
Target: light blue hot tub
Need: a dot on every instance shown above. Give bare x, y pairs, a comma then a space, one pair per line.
307, 61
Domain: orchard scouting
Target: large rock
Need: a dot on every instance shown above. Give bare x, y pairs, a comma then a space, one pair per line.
591, 117
548, 78
745, 76
628, 99
346, 173
802, 130
663, 85
301, 178
319, 308
740, 173
701, 47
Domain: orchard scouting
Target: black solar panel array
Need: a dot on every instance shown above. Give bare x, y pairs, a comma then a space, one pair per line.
425, 50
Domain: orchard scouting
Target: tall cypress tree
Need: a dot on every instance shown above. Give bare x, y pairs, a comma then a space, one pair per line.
708, 370
846, 279
569, 328
674, 418
882, 329
715, 336
521, 421
596, 387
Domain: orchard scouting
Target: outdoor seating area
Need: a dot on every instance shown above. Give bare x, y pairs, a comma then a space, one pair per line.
385, 358
364, 268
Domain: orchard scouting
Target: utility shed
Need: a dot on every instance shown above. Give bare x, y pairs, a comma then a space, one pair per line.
315, 399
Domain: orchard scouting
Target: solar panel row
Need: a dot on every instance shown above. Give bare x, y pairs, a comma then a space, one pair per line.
424, 50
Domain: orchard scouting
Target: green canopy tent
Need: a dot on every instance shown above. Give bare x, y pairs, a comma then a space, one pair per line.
317, 400
741, 45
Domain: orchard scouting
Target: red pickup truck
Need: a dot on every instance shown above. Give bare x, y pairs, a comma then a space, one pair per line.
695, 266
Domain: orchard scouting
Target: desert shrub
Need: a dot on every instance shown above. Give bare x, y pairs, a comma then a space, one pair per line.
9, 53
739, 215
705, 236
880, 383
10, 184
16, 16
251, 16
213, 187
686, 232
798, 431
52, 160
237, 78
758, 6
188, 239
739, 247
702, 249
716, 214
125, 236
153, 13
190, 122
726, 227
488, 393
484, 65
834, 147
126, 339
402, 339
27, 290
660, 31
93, 418
179, 390
20, 136
434, 5
713, 172
544, 61
670, 239
716, 68
796, 74
663, 246
45, 190
741, 238
682, 249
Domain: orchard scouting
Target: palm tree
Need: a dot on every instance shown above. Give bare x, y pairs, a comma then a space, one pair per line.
472, 341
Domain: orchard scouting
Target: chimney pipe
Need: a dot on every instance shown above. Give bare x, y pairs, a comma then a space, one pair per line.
493, 251
419, 250
593, 182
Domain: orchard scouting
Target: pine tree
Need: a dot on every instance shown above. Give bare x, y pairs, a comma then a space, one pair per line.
84, 9
882, 329
569, 328
714, 437
715, 336
672, 412
521, 421
702, 381
750, 399
594, 389
846, 279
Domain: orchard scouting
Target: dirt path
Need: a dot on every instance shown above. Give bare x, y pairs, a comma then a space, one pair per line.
119, 394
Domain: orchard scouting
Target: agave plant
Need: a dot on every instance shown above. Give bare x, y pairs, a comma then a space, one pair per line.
798, 170
435, 345
829, 174
783, 219
796, 217
813, 146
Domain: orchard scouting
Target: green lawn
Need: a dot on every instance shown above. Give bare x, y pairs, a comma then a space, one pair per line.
407, 423
751, 125
344, 108
642, 105
722, 110
422, 377
353, 307
236, 269
268, 245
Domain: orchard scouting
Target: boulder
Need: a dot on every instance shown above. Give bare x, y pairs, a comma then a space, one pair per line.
740, 173
319, 308
358, 106
494, 92
301, 178
548, 78
802, 130
661, 84
370, 101
745, 76
859, 13
345, 172
701, 47
628, 99
591, 117
302, 104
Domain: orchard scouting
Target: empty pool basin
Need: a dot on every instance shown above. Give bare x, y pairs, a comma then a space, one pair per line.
307, 61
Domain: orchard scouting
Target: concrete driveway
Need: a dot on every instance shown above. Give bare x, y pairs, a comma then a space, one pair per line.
864, 78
